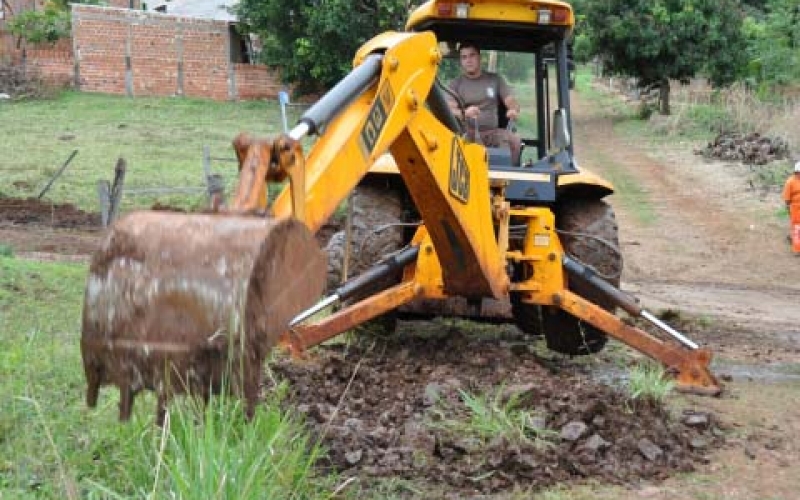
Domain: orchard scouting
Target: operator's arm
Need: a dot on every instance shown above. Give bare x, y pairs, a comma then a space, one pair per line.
505, 92
455, 108
513, 107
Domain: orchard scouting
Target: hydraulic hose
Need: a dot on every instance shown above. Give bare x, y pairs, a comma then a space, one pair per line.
339, 97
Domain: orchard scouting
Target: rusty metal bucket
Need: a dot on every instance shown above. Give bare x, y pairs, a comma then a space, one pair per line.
166, 283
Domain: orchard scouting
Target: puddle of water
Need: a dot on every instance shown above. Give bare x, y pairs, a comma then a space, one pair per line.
618, 377
768, 372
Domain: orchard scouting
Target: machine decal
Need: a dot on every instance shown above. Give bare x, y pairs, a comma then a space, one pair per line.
459, 174
376, 119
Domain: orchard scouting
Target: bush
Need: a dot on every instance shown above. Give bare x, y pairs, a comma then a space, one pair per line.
711, 118
41, 26
20, 82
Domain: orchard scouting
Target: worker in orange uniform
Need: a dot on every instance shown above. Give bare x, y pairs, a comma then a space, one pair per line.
791, 195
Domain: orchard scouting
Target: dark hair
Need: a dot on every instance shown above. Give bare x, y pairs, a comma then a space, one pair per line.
468, 44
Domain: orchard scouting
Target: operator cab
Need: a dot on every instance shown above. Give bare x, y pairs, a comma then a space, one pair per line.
524, 41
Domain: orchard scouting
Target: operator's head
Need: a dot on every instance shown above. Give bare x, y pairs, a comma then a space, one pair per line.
470, 58
797, 168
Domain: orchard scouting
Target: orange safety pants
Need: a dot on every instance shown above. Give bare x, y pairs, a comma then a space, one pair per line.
794, 226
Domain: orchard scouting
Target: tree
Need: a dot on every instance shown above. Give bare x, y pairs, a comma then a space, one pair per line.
44, 26
659, 40
313, 41
774, 44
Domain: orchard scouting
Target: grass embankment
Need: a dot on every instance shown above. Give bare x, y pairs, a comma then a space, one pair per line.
161, 139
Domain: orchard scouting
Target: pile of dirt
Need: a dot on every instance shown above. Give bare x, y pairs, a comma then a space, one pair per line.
751, 149
381, 411
35, 212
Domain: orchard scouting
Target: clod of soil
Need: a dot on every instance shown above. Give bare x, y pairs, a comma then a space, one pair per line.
379, 412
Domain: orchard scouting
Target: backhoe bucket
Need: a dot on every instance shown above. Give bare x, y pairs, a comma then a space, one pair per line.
166, 285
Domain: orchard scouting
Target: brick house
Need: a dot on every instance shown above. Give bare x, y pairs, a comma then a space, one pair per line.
185, 48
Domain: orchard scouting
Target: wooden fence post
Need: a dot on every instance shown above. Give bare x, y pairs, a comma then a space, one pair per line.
104, 195
116, 189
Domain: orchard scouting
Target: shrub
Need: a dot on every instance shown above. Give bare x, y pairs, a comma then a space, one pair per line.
41, 26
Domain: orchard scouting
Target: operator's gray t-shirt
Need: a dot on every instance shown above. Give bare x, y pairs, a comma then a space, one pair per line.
484, 92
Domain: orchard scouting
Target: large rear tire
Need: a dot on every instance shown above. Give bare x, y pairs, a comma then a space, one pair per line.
377, 231
589, 233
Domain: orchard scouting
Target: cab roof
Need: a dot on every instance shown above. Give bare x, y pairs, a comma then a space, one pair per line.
514, 25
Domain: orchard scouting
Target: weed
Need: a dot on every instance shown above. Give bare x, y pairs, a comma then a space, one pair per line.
648, 383
491, 416
6, 250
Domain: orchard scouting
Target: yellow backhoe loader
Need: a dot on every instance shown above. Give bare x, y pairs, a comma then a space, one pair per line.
468, 232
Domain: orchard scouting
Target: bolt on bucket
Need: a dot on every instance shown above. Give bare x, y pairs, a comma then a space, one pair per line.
164, 287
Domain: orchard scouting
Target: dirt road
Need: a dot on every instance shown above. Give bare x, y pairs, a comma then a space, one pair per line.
700, 241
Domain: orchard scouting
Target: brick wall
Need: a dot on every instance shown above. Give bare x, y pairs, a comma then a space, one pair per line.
255, 81
54, 63
130, 52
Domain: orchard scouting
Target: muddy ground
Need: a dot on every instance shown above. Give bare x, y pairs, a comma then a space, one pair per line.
712, 257
382, 410
36, 227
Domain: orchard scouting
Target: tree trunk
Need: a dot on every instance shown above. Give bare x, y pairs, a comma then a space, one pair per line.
663, 94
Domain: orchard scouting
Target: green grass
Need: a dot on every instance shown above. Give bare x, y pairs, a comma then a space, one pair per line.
53, 446
161, 139
628, 191
648, 382
492, 415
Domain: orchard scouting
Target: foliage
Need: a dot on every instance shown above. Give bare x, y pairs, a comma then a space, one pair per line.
656, 41
490, 416
514, 66
21, 82
41, 26
47, 25
211, 451
648, 382
582, 48
313, 41
773, 41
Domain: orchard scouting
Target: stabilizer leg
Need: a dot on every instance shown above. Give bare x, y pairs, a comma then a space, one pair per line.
691, 367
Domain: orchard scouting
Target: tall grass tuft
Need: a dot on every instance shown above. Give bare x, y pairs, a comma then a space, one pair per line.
211, 451
491, 416
648, 383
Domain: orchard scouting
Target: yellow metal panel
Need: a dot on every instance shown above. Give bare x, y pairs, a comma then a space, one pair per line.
585, 177
541, 254
512, 11
448, 180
